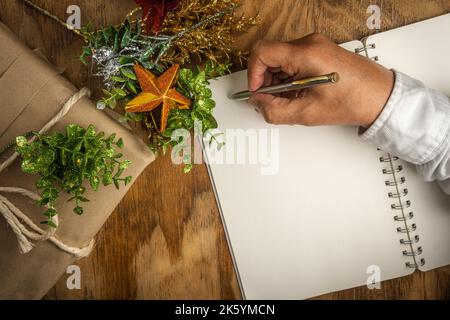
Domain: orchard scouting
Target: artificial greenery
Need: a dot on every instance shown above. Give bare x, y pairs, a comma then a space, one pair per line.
114, 51
193, 84
122, 84
67, 161
185, 39
195, 32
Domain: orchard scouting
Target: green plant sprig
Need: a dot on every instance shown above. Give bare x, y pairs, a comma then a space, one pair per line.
67, 161
193, 84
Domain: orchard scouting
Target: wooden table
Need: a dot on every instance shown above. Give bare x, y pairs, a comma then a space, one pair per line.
166, 240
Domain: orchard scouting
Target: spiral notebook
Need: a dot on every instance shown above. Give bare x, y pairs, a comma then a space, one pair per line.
332, 212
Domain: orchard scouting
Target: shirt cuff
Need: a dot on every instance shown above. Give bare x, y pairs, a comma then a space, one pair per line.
414, 123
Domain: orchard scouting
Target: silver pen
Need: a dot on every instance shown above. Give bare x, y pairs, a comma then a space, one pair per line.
291, 86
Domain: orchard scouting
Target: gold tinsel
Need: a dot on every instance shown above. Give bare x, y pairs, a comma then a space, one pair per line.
212, 40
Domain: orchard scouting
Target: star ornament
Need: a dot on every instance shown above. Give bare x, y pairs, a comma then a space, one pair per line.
157, 91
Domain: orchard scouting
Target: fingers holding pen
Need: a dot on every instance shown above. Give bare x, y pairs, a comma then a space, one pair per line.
281, 110
267, 59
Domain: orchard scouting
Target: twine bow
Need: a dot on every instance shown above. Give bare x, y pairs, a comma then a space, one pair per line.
24, 228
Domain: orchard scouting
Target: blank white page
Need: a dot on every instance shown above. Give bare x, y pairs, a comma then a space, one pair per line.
319, 223
422, 50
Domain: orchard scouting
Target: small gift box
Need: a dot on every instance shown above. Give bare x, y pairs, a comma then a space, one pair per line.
32, 93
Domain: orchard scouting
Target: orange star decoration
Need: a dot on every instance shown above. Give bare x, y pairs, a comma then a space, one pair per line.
157, 91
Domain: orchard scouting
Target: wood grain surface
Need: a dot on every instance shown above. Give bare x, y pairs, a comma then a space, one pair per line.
166, 240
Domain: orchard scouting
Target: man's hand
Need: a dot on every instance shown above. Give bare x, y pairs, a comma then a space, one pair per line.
357, 99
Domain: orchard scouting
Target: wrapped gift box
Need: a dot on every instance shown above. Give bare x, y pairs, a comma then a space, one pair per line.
31, 93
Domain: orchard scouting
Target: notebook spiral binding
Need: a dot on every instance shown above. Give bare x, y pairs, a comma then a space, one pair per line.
398, 191
366, 48
401, 206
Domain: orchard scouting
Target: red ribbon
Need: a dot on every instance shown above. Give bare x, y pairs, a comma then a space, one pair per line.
154, 11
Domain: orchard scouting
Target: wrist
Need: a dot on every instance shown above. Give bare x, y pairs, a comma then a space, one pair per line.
380, 93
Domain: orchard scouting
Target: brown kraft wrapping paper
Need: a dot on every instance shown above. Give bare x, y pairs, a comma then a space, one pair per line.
31, 93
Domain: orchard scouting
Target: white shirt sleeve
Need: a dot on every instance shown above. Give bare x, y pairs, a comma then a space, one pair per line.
415, 126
